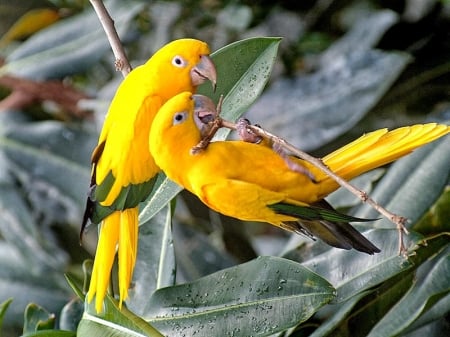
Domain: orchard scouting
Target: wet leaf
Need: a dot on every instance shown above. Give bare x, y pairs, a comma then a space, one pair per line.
424, 294
310, 110
114, 322
257, 298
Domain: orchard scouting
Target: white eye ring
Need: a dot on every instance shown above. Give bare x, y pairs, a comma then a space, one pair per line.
179, 117
179, 62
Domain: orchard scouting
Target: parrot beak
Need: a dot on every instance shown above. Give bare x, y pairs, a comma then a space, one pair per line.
204, 113
204, 70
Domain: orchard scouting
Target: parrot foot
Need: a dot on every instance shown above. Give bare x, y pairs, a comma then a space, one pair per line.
245, 133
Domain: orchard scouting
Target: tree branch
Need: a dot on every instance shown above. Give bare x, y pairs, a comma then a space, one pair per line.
121, 63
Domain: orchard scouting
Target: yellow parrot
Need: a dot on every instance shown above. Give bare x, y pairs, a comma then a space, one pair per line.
252, 182
123, 170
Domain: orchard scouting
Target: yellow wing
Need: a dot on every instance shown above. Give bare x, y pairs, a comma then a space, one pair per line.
243, 200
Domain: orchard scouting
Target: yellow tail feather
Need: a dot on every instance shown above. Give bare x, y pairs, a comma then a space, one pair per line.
118, 231
104, 258
127, 250
381, 147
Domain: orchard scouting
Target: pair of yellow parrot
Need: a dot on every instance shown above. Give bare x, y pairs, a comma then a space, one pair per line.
153, 123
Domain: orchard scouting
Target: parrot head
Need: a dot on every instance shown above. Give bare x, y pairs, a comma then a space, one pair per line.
184, 119
182, 65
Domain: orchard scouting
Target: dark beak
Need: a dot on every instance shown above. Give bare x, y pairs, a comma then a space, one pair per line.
204, 112
203, 71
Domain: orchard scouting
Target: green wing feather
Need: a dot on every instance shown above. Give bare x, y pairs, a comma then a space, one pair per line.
322, 221
314, 213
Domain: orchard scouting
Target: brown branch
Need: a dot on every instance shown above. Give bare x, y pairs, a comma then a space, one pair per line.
121, 63
399, 221
215, 125
27, 92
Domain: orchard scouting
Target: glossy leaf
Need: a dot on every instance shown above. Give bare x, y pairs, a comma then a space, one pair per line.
114, 322
312, 109
243, 69
37, 318
382, 299
422, 296
340, 311
257, 298
351, 272
155, 267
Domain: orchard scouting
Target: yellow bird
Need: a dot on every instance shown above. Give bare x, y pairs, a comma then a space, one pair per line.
251, 182
123, 170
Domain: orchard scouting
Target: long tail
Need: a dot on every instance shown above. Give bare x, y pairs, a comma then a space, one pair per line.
368, 152
381, 147
118, 231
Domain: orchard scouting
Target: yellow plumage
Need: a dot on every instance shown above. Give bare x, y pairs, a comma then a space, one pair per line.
251, 182
123, 168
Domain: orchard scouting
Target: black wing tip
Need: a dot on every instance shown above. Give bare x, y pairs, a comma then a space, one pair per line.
87, 216
361, 244
368, 249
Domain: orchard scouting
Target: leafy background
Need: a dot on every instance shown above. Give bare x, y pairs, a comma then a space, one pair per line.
343, 68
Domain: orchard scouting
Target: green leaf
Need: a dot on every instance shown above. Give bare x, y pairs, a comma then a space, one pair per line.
166, 265
421, 297
37, 318
71, 315
352, 272
3, 308
433, 314
114, 322
190, 248
39, 153
257, 298
340, 311
371, 308
164, 191
243, 69
436, 218
341, 319
26, 283
313, 109
74, 285
50, 333
69, 46
252, 61
155, 267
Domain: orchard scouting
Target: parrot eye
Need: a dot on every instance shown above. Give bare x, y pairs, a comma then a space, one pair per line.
179, 62
179, 117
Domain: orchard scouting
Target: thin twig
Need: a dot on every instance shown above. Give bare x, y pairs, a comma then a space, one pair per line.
215, 125
121, 63
399, 221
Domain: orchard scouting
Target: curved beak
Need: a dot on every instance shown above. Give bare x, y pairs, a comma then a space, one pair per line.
204, 112
204, 70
